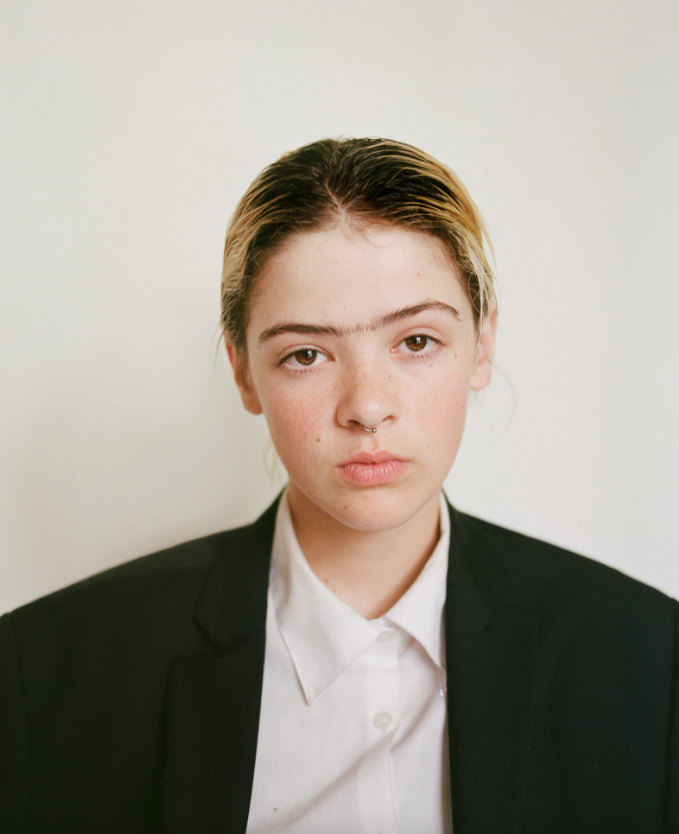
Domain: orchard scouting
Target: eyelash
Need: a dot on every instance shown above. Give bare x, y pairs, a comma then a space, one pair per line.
415, 354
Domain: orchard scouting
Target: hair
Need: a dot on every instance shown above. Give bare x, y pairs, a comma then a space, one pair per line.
364, 181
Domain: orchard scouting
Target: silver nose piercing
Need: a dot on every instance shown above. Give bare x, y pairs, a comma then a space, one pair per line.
367, 429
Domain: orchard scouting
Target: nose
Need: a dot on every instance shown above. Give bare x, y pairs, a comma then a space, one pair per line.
368, 396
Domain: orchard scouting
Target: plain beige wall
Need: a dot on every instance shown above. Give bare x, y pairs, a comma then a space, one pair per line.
129, 131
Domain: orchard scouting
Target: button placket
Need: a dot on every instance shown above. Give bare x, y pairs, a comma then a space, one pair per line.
382, 704
383, 693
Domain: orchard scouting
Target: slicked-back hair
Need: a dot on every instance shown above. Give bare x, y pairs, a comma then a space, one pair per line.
363, 181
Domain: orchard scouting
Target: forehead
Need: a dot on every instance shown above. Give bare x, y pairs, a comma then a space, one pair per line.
345, 276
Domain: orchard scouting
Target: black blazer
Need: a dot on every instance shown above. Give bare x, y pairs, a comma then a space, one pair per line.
130, 701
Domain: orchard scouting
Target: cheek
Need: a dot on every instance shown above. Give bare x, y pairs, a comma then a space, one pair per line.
295, 421
440, 412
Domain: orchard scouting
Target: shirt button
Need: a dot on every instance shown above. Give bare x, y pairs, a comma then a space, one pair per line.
382, 720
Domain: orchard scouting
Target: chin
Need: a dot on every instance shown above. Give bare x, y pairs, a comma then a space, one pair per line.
377, 509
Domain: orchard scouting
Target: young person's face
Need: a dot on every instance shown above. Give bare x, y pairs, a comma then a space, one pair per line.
363, 328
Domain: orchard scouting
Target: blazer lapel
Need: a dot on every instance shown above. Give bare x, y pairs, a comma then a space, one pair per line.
213, 701
491, 650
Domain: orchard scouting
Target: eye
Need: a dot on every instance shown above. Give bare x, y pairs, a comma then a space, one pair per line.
419, 343
305, 358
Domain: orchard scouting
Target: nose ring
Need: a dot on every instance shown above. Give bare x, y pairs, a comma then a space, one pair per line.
367, 429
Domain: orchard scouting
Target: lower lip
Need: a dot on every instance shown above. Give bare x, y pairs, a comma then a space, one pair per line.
373, 474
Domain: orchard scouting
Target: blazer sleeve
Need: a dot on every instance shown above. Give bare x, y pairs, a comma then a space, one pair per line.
13, 734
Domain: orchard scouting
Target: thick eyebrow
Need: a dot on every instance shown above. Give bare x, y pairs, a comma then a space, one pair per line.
346, 330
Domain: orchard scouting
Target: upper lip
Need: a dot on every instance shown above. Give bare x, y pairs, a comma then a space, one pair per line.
372, 457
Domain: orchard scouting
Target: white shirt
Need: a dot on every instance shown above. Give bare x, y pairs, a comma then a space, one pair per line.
352, 734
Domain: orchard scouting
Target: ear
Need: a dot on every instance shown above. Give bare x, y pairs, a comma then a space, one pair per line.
241, 373
485, 349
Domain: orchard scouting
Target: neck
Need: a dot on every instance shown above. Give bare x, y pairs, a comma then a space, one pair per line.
369, 570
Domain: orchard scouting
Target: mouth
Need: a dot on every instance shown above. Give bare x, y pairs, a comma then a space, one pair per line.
373, 468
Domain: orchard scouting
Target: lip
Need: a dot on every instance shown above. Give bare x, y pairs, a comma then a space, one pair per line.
372, 468
373, 457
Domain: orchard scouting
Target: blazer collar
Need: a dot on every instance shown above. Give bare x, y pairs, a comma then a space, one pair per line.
492, 660
474, 563
213, 700
233, 600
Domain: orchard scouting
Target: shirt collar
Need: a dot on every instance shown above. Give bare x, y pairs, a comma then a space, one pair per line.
322, 633
419, 612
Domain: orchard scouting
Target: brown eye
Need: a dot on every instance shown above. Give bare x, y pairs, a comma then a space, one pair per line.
303, 358
416, 343
306, 357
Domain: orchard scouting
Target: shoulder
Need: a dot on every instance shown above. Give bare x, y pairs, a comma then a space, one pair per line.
139, 604
170, 570
542, 564
565, 587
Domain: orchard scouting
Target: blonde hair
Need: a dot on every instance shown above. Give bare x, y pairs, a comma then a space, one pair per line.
360, 180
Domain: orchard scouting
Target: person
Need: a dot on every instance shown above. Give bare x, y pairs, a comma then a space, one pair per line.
364, 657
